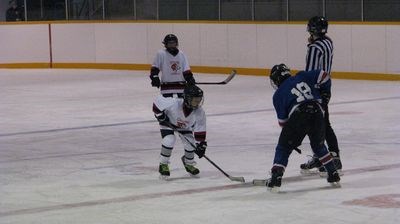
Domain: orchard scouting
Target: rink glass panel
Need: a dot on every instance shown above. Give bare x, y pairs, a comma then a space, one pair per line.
237, 10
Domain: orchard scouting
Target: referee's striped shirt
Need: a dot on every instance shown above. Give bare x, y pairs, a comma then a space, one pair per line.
319, 55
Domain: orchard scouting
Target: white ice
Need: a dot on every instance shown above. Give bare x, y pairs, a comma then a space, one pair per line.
82, 146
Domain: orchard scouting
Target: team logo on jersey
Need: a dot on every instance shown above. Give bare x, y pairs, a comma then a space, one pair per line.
181, 123
175, 66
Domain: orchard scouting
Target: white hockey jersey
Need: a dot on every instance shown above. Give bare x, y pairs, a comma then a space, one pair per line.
173, 108
172, 68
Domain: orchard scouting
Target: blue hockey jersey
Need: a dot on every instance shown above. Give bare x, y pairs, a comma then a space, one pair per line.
298, 89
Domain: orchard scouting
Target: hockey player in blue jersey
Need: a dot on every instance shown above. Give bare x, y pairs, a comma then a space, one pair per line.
297, 102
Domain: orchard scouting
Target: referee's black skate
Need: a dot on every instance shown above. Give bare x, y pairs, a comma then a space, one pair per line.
334, 179
337, 162
338, 165
314, 162
190, 168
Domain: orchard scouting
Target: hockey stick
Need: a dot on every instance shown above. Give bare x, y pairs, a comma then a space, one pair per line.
239, 179
228, 79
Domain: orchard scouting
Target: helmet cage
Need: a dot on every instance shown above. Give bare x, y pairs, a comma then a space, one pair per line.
170, 41
279, 73
317, 25
193, 97
194, 102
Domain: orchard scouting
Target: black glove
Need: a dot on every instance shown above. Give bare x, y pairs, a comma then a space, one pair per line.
190, 80
155, 81
188, 75
325, 96
200, 149
162, 118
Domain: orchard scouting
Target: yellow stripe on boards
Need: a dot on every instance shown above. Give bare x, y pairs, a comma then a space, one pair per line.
103, 66
25, 65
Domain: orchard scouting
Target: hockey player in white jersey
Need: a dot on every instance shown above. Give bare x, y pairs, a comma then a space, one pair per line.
187, 117
174, 67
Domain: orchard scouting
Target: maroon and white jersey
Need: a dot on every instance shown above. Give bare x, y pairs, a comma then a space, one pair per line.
195, 121
172, 68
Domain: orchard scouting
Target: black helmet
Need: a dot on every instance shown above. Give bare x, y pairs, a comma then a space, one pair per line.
170, 38
279, 73
193, 96
317, 25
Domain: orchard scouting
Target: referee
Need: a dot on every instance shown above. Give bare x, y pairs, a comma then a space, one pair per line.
319, 57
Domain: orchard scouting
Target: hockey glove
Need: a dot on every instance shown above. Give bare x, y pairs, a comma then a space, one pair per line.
188, 75
155, 81
326, 97
201, 149
162, 118
190, 80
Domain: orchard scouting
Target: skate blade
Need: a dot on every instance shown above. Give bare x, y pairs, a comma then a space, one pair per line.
163, 177
274, 189
335, 184
194, 175
309, 172
323, 174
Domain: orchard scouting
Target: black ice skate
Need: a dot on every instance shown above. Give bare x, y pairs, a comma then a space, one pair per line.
314, 162
334, 179
336, 162
163, 169
274, 183
190, 168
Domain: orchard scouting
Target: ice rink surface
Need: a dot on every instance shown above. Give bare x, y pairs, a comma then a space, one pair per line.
82, 146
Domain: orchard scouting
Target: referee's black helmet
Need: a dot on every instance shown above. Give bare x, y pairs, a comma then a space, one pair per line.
317, 25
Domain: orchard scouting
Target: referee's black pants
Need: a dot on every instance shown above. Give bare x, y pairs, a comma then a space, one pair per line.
330, 135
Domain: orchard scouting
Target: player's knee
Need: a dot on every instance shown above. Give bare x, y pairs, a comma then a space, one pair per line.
285, 149
188, 146
165, 132
287, 146
168, 141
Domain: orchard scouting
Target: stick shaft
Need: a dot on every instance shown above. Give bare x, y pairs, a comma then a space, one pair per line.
228, 79
216, 166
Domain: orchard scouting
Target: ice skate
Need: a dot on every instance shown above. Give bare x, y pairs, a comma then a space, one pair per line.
306, 168
334, 179
190, 168
274, 183
163, 169
336, 162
